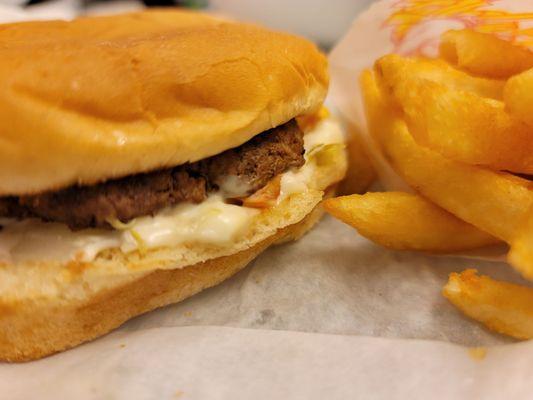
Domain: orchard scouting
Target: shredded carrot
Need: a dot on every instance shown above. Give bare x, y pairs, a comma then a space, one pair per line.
266, 196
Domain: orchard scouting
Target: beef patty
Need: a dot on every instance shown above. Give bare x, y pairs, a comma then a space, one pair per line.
243, 170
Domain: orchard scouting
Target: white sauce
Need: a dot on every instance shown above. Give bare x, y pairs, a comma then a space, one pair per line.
34, 240
211, 222
326, 132
232, 187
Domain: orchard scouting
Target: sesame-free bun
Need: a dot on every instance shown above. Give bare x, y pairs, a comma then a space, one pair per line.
95, 98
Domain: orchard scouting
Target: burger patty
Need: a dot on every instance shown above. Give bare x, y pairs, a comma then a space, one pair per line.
246, 168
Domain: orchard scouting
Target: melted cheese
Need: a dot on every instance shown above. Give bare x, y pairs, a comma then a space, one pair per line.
211, 222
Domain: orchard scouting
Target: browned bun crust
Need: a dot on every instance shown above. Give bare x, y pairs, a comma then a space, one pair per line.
102, 97
33, 329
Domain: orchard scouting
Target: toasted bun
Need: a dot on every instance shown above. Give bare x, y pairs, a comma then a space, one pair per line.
103, 97
47, 307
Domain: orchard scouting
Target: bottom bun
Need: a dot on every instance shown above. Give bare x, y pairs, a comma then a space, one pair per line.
33, 329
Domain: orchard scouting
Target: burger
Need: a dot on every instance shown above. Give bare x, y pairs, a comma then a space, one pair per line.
145, 157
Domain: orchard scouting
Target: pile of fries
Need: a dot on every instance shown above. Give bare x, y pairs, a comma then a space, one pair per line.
459, 131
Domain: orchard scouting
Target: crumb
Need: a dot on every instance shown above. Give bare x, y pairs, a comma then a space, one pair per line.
178, 393
76, 267
257, 280
188, 313
122, 345
477, 353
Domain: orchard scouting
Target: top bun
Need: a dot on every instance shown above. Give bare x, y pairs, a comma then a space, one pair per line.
86, 100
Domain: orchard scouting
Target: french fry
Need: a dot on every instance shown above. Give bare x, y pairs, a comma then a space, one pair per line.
494, 202
404, 221
394, 68
360, 173
381, 111
484, 54
452, 137
503, 307
521, 253
462, 125
518, 95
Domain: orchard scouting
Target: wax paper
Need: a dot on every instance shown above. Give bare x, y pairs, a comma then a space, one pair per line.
331, 316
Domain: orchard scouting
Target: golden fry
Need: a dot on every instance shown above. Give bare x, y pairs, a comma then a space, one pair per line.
404, 221
503, 307
518, 95
360, 173
452, 137
484, 54
494, 202
394, 69
521, 253
462, 125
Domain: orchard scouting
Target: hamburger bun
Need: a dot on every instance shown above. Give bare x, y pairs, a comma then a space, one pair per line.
85, 101
96, 98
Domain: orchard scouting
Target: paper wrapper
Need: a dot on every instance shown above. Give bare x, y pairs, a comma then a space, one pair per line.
413, 27
332, 316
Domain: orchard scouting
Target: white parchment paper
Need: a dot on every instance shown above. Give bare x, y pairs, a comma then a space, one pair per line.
256, 335
332, 316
